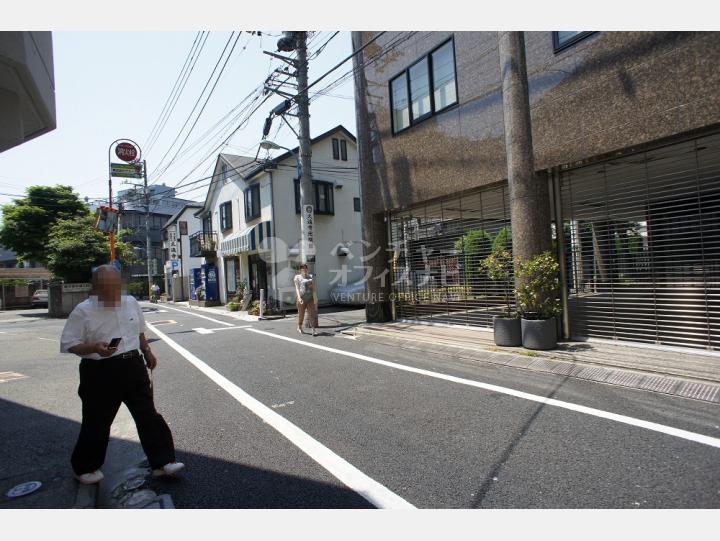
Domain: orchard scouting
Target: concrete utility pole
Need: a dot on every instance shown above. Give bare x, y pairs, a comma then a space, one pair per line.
307, 192
529, 196
147, 229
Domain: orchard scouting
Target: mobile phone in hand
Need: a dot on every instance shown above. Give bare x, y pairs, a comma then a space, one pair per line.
114, 343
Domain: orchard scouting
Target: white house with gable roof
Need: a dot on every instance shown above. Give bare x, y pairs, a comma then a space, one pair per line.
251, 218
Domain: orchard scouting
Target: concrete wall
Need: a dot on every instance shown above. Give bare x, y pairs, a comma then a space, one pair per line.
63, 298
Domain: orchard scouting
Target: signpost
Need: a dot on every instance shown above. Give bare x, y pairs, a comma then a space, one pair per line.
128, 151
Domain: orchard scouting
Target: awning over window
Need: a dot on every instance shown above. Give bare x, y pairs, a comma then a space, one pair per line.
247, 240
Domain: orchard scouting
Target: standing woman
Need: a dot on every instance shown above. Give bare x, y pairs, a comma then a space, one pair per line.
306, 298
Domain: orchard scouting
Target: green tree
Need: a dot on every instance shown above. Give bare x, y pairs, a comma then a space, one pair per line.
74, 247
27, 221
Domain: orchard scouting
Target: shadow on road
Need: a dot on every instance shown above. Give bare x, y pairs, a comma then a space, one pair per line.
36, 446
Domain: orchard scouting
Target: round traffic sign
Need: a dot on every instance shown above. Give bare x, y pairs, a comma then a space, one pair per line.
23, 489
127, 152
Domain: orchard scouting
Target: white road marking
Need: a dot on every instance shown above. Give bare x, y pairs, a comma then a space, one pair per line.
202, 316
275, 406
48, 339
203, 330
677, 432
656, 427
353, 478
9, 376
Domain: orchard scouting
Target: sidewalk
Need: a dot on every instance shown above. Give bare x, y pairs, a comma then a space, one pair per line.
677, 373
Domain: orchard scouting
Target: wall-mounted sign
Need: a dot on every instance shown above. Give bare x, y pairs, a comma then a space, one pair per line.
127, 152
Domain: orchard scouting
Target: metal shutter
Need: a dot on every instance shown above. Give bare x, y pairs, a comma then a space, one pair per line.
436, 252
643, 246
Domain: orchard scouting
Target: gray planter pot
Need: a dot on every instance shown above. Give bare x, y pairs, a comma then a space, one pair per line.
507, 331
539, 333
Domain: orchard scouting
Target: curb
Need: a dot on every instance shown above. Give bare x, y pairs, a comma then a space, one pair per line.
657, 382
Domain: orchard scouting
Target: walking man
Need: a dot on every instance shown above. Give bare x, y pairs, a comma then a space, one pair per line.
112, 372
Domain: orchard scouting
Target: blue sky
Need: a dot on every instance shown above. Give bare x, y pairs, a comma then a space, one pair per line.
112, 85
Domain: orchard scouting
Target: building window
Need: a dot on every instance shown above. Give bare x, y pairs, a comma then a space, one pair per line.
443, 70
183, 227
427, 87
336, 149
564, 39
343, 150
207, 224
419, 76
356, 204
252, 202
324, 197
226, 216
223, 172
400, 109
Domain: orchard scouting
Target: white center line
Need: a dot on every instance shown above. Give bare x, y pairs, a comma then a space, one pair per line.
377, 494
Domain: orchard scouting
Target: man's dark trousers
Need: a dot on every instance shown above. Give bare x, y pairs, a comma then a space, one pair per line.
104, 385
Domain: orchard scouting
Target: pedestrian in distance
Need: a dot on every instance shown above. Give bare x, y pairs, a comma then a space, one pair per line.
306, 298
155, 290
108, 332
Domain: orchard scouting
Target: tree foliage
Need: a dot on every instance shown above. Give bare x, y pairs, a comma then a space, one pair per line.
27, 221
74, 247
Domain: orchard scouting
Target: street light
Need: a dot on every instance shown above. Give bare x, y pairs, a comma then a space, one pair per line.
271, 145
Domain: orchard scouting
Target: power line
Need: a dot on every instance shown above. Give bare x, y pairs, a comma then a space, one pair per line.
202, 109
197, 102
151, 142
198, 35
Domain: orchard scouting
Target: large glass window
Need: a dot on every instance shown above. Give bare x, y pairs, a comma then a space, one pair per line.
427, 87
400, 109
420, 90
443, 68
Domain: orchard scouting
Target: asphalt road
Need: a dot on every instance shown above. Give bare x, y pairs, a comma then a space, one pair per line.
432, 442
395, 430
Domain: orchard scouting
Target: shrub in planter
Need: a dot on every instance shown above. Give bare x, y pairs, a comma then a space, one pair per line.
254, 309
232, 306
499, 267
538, 301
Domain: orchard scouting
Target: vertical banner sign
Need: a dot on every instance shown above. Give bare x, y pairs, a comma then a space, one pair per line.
106, 220
173, 249
309, 233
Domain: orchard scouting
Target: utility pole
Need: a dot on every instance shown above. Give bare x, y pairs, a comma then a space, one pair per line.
147, 229
307, 193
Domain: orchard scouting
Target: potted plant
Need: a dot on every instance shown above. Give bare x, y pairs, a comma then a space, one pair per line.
232, 306
499, 267
537, 294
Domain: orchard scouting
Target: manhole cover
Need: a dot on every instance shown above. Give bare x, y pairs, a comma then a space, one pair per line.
23, 489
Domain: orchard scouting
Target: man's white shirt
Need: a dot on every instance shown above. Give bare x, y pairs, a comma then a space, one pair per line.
91, 321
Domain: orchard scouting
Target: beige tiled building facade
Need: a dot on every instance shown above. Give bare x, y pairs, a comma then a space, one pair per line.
626, 130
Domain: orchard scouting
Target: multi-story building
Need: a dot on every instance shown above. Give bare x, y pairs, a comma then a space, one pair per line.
251, 220
626, 133
163, 205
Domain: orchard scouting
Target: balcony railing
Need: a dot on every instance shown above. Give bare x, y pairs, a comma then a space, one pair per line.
203, 244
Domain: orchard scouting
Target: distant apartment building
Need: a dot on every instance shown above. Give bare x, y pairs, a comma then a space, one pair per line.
626, 134
163, 205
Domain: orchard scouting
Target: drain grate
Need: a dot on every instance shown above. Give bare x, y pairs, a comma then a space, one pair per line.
699, 391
